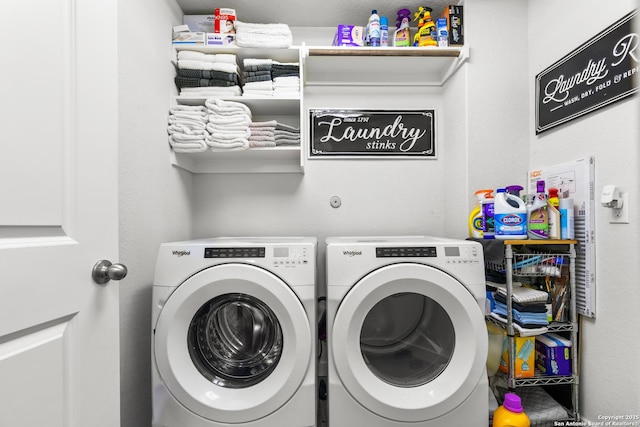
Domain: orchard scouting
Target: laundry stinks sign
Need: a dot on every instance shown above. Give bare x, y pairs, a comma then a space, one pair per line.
603, 70
372, 133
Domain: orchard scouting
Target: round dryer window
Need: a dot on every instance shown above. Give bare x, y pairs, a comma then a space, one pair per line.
407, 339
233, 343
235, 340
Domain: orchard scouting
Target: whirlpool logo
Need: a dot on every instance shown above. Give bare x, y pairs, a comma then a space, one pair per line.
351, 253
181, 253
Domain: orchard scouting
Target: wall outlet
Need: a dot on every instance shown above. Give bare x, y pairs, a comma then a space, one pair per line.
621, 216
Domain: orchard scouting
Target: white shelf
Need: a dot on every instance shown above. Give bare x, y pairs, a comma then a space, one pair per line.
390, 66
282, 159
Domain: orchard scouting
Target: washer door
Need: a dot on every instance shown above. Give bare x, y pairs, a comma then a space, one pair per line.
233, 343
409, 342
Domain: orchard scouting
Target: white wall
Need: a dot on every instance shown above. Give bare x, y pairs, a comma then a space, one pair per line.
610, 382
155, 199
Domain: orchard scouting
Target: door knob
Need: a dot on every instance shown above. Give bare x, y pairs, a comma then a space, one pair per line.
104, 271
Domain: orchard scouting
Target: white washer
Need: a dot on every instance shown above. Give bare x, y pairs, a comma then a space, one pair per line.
234, 333
406, 333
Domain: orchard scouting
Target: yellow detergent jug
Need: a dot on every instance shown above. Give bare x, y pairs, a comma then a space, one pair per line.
510, 413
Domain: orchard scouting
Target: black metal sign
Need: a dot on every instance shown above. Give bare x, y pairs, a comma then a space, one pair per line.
599, 72
372, 133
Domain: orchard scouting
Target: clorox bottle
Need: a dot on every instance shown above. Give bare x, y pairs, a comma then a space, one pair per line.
510, 216
510, 413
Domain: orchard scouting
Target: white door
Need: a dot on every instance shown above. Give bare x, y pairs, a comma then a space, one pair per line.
409, 342
58, 214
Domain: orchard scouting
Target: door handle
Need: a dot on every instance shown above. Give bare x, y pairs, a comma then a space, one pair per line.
104, 271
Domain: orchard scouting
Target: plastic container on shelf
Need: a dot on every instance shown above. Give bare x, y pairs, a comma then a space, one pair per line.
510, 216
488, 221
373, 29
475, 217
538, 215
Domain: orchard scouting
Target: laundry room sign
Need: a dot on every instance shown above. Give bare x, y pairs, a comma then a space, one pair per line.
601, 71
372, 133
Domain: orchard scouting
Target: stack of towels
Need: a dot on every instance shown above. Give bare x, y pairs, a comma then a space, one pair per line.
272, 134
201, 75
228, 124
187, 128
286, 78
263, 35
257, 77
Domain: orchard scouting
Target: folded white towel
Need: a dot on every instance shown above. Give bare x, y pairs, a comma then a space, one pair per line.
192, 123
262, 133
268, 123
229, 58
191, 64
187, 108
199, 92
235, 143
263, 143
190, 55
221, 106
282, 126
186, 130
228, 132
257, 61
284, 80
224, 120
263, 35
265, 84
195, 146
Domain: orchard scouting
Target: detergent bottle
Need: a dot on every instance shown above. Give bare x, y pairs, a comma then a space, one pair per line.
510, 413
402, 36
553, 204
426, 35
373, 29
488, 224
475, 217
538, 214
510, 221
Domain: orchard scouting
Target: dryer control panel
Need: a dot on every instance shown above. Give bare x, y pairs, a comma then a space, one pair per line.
290, 256
462, 254
237, 252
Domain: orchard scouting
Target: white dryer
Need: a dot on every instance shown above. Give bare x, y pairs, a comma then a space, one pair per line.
234, 333
406, 333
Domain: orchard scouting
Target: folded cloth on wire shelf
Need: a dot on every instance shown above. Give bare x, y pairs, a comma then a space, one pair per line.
204, 65
522, 318
531, 307
209, 74
188, 146
263, 35
213, 142
522, 331
522, 294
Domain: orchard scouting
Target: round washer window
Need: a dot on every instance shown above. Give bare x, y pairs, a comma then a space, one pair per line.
235, 340
407, 339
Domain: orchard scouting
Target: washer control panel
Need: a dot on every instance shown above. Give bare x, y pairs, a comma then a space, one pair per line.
237, 252
290, 256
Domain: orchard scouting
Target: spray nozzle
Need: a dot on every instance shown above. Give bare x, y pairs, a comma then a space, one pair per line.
418, 14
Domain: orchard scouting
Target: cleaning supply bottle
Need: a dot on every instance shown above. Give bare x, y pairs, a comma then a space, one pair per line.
426, 35
510, 413
510, 221
402, 36
553, 203
475, 217
488, 225
384, 31
566, 219
514, 190
373, 29
538, 215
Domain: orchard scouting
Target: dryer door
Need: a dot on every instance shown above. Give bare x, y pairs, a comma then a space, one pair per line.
233, 343
409, 342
